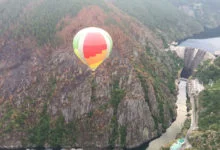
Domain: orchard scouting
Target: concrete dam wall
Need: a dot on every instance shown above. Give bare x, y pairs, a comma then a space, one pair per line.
192, 58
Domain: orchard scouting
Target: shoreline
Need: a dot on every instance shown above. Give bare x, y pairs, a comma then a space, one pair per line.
173, 130
207, 33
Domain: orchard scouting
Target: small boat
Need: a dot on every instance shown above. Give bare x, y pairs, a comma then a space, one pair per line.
178, 144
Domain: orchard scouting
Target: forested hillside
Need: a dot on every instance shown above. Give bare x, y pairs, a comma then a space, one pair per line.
208, 135
40, 18
162, 17
206, 12
49, 98
174, 19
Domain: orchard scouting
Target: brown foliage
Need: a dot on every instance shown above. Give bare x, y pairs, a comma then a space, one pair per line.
124, 30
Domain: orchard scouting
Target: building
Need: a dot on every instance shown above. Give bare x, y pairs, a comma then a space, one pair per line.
217, 53
178, 145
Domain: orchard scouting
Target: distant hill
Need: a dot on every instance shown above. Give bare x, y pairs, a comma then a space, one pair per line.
206, 12
174, 19
161, 16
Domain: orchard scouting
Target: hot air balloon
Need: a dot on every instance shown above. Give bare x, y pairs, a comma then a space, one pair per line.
92, 46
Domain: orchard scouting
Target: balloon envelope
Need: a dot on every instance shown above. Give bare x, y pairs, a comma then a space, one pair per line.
92, 46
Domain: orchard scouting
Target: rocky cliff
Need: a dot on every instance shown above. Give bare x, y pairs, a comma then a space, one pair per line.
205, 12
49, 98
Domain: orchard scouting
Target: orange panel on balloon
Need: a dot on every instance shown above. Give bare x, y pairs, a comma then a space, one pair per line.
94, 66
97, 58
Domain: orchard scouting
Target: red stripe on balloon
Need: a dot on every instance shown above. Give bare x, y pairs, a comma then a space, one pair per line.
94, 44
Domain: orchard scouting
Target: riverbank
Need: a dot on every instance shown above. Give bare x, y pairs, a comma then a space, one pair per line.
208, 40
211, 45
207, 33
191, 122
177, 125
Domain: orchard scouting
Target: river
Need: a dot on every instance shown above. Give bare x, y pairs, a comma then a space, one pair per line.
177, 125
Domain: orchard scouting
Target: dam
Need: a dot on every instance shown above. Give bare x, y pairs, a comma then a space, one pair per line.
192, 58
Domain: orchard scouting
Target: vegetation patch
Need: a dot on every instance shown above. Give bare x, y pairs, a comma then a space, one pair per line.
209, 109
208, 71
209, 103
208, 135
160, 100
38, 135
144, 86
57, 133
163, 18
10, 13
51, 86
41, 22
123, 134
93, 88
163, 76
117, 95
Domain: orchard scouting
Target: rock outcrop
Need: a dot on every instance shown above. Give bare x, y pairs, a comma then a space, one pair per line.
49, 98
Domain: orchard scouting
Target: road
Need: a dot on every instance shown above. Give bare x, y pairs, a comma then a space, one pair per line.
194, 88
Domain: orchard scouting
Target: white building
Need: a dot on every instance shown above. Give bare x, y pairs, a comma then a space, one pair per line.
217, 53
